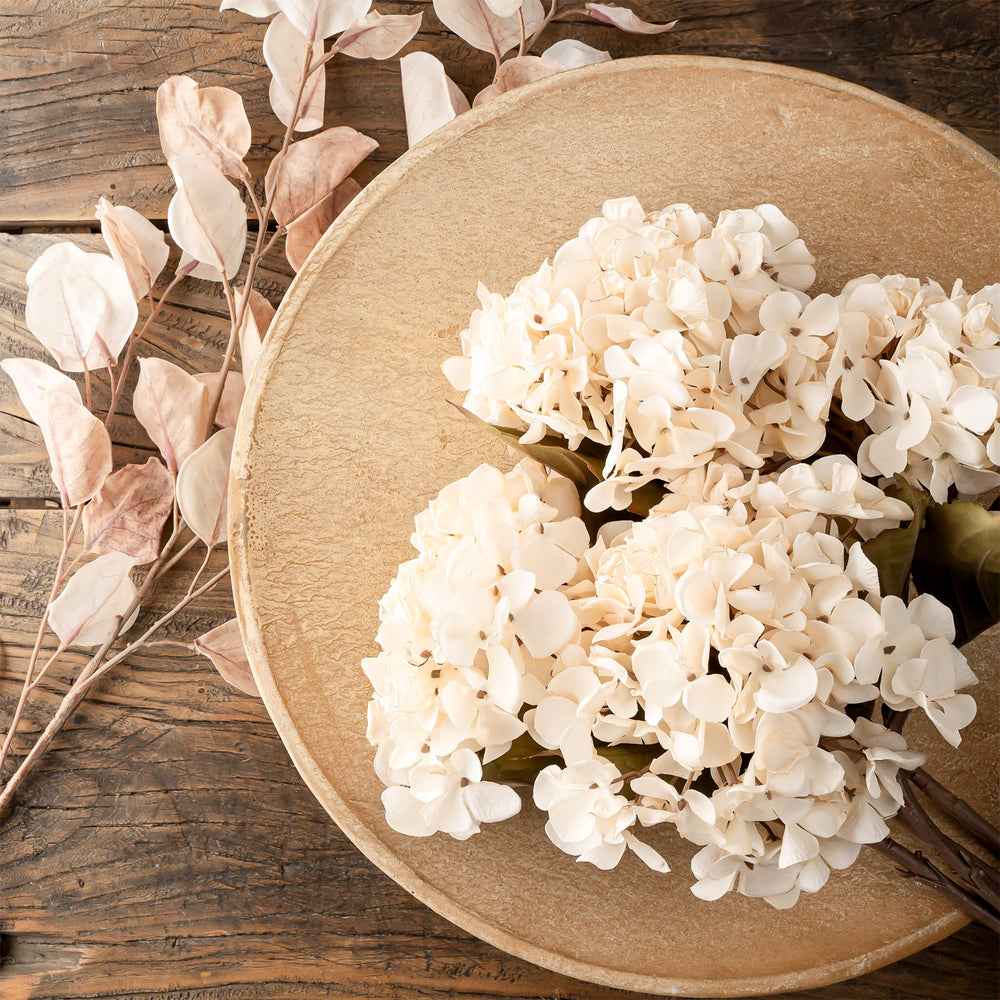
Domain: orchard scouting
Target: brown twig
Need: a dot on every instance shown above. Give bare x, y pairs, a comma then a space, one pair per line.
958, 809
919, 867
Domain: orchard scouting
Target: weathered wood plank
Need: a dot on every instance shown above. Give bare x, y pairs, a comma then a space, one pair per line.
191, 331
77, 80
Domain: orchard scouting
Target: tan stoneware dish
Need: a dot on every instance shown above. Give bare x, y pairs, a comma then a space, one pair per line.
346, 432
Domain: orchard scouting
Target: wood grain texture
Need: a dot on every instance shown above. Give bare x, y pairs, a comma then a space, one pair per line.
167, 849
78, 78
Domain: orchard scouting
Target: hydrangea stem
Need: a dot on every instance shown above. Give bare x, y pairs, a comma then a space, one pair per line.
958, 809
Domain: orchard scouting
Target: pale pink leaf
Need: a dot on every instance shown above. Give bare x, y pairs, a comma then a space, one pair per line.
224, 647
571, 54
312, 169
206, 216
88, 612
209, 121
308, 229
285, 54
504, 8
515, 73
256, 321
255, 8
203, 486
430, 98
129, 512
79, 306
135, 243
232, 395
323, 18
473, 21
378, 36
77, 443
627, 20
173, 407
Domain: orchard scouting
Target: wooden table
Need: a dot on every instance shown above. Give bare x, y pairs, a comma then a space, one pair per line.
167, 848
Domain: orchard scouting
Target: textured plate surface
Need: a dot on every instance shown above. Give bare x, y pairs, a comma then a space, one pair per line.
346, 434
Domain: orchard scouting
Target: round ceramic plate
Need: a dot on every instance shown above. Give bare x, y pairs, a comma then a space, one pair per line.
346, 433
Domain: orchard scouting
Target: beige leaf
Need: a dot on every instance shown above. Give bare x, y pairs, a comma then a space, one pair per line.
285, 53
627, 20
173, 407
256, 321
79, 306
323, 18
312, 169
378, 36
209, 121
224, 647
206, 216
77, 443
203, 485
516, 72
504, 8
571, 54
129, 512
232, 395
430, 98
97, 596
473, 21
306, 232
139, 248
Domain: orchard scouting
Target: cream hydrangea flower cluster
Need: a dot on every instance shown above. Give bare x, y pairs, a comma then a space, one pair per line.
665, 342
727, 636
464, 627
922, 370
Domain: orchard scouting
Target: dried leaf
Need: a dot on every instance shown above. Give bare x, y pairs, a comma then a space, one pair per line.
255, 8
206, 216
224, 647
307, 231
77, 443
203, 486
504, 8
323, 18
129, 512
473, 21
957, 559
284, 53
173, 407
516, 72
232, 396
627, 20
97, 596
892, 550
139, 248
430, 98
210, 122
312, 169
256, 321
571, 54
79, 306
378, 36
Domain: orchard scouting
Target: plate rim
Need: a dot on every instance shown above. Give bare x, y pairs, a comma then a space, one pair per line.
322, 789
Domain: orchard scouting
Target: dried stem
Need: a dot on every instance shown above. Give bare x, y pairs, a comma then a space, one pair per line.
98, 666
154, 310
919, 867
69, 534
971, 821
546, 21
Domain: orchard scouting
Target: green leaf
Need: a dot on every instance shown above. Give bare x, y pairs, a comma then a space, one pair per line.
892, 551
957, 559
550, 451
